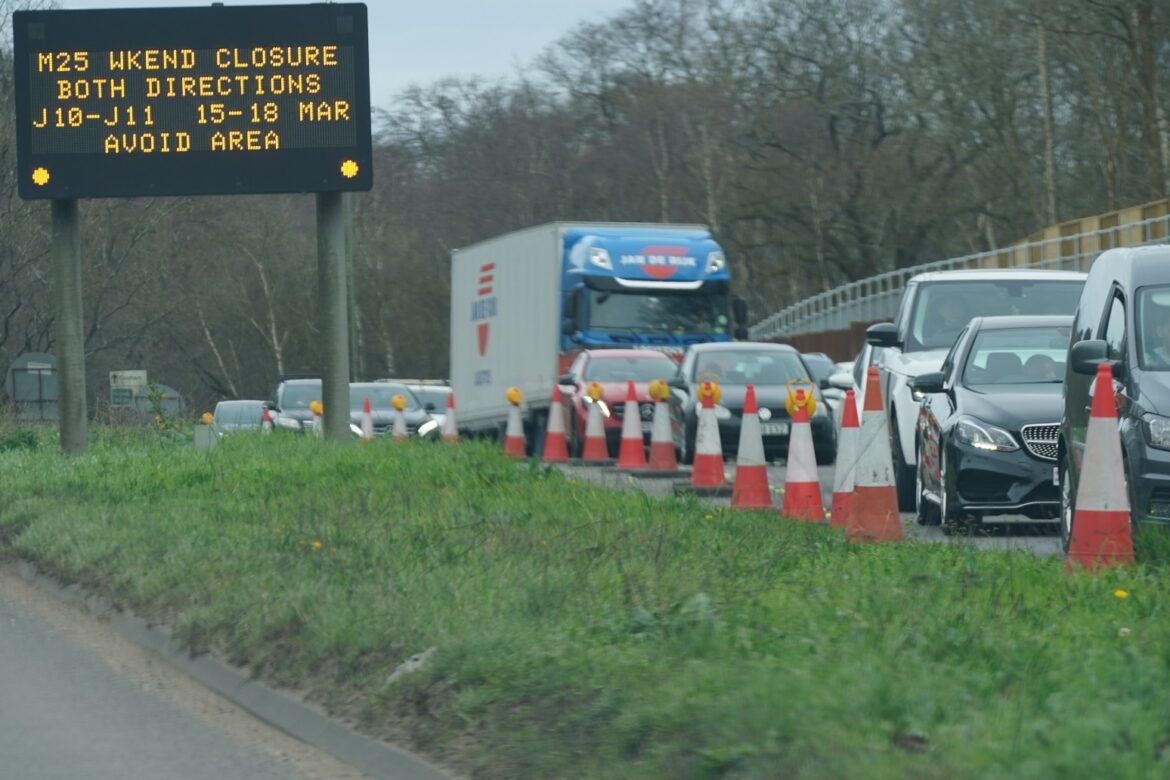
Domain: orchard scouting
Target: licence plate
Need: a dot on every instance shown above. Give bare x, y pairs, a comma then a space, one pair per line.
774, 428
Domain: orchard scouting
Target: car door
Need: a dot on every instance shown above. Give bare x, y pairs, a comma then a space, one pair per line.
1112, 330
935, 414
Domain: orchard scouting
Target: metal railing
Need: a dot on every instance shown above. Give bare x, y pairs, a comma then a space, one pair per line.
876, 297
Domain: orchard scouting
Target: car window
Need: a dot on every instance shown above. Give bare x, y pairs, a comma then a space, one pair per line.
436, 395
1018, 356
741, 367
381, 395
299, 396
1115, 330
638, 369
942, 309
1153, 328
820, 367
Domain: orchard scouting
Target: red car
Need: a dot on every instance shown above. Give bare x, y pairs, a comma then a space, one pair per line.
613, 369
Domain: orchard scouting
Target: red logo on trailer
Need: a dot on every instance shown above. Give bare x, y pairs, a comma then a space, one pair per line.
483, 307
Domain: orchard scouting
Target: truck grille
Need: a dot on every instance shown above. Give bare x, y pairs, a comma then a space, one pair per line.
1041, 439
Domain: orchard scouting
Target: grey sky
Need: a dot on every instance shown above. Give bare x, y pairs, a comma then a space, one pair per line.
420, 41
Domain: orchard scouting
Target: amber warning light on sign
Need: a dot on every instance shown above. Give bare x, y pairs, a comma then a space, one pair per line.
192, 101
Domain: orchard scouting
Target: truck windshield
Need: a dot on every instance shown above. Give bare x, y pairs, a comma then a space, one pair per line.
659, 313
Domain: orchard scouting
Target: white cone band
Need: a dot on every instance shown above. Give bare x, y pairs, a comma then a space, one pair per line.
399, 429
707, 436
632, 422
874, 465
594, 429
367, 426
1102, 485
515, 429
802, 459
751, 442
661, 430
556, 418
450, 429
846, 465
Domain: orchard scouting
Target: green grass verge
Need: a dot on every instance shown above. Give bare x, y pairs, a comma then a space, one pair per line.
581, 632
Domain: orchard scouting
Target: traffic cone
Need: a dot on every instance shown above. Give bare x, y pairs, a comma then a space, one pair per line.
514, 443
874, 514
266, 421
750, 490
318, 427
707, 471
662, 457
846, 465
367, 422
596, 449
555, 449
802, 488
398, 432
1100, 535
632, 454
450, 428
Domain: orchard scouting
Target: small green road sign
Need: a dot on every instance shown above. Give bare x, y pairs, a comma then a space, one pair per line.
121, 396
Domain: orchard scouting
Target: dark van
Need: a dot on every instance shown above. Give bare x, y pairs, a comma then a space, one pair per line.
1123, 318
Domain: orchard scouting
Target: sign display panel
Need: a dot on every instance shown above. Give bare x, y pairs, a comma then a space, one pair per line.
192, 101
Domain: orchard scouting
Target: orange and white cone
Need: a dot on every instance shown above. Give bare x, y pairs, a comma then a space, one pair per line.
555, 448
750, 490
514, 443
596, 450
1100, 535
874, 515
450, 427
846, 465
367, 421
398, 431
633, 452
802, 487
266, 421
707, 470
662, 457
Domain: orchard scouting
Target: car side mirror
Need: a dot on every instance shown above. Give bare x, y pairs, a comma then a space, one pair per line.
883, 334
677, 382
566, 379
841, 380
929, 383
1085, 356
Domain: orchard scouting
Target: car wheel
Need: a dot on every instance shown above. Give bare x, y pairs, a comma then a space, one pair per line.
926, 512
904, 480
1068, 506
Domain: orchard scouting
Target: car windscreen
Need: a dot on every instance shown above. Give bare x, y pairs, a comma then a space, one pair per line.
741, 367
436, 395
380, 396
820, 367
299, 396
942, 309
638, 369
237, 414
1017, 356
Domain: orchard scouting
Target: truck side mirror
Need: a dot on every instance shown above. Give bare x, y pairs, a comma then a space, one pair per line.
883, 334
739, 310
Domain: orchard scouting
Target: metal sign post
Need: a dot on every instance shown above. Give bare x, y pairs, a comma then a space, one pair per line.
334, 312
70, 339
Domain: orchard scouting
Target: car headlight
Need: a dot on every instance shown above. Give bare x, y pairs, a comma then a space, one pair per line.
722, 412
716, 262
427, 427
982, 436
600, 258
1157, 430
287, 423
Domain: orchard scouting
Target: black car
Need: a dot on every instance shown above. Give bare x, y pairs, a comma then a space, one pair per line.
769, 367
987, 426
1124, 319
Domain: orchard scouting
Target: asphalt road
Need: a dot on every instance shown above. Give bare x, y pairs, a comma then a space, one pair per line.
78, 702
1007, 533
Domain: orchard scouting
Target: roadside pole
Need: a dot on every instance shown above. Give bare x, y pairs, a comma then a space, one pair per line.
334, 313
71, 407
